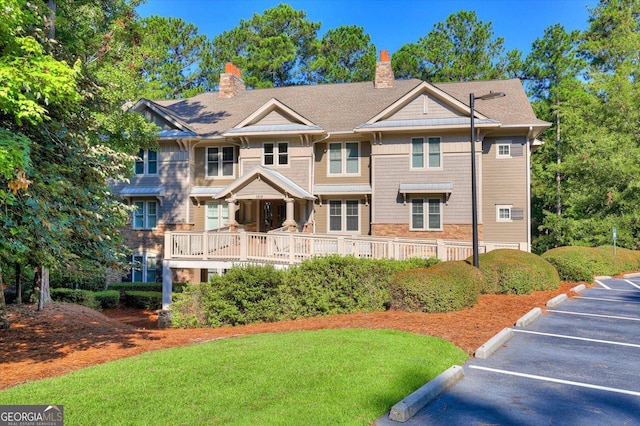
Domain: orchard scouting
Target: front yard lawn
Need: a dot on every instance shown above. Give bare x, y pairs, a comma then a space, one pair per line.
325, 377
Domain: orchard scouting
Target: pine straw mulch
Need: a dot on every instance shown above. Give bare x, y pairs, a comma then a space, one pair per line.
66, 337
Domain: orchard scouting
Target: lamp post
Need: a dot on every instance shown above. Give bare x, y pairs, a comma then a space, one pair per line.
474, 194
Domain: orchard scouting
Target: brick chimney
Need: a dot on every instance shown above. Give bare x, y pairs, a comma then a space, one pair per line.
384, 72
230, 82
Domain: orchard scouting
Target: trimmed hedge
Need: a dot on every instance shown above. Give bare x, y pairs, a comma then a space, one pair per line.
583, 263
149, 300
137, 286
444, 287
319, 286
507, 271
108, 299
80, 297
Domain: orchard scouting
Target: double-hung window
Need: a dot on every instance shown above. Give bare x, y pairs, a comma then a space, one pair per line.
433, 152
146, 163
417, 153
344, 158
144, 268
426, 214
275, 154
435, 158
217, 215
145, 215
344, 216
220, 161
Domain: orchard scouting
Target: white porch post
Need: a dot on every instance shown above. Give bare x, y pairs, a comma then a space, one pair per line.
290, 221
232, 223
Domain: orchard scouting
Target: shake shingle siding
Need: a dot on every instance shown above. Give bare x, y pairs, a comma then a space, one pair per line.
391, 171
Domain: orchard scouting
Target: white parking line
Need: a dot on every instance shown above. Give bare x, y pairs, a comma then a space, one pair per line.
560, 381
564, 336
594, 315
603, 284
632, 283
613, 289
605, 299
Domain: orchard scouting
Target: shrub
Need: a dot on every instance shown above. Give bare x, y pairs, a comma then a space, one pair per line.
92, 279
79, 297
583, 263
507, 271
336, 285
149, 300
319, 286
108, 299
444, 287
122, 287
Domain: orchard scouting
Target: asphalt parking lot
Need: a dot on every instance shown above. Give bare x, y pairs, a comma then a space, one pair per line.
577, 364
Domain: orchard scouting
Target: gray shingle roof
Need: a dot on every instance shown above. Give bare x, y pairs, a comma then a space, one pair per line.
343, 107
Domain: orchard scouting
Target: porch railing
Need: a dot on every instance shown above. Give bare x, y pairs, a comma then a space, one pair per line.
291, 248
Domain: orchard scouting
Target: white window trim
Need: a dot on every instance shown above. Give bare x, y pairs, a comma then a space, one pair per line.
425, 214
424, 154
145, 214
343, 159
427, 153
276, 154
145, 162
144, 266
507, 207
343, 216
220, 163
498, 155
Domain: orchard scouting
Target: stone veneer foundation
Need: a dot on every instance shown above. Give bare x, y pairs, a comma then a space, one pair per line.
450, 232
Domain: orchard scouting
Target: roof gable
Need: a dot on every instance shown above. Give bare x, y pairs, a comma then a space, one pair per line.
273, 117
415, 105
168, 122
261, 181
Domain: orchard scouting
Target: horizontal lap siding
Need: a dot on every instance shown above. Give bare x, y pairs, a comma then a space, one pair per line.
173, 168
321, 174
321, 214
505, 182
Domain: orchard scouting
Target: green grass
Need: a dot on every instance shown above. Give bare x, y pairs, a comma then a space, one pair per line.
326, 377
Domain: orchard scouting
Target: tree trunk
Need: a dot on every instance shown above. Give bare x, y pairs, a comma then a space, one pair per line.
4, 321
51, 20
43, 284
18, 268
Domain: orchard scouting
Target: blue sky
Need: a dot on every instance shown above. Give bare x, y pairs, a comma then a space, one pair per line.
390, 23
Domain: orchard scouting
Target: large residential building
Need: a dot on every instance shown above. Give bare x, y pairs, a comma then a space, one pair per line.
388, 158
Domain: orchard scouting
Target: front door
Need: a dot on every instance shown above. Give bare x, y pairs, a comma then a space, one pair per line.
272, 215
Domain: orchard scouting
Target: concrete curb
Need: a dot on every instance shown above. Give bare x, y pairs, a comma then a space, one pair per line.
557, 300
493, 344
408, 407
602, 277
578, 288
633, 275
529, 317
